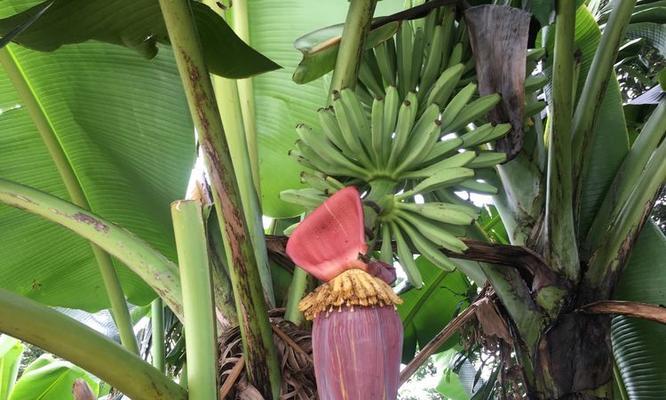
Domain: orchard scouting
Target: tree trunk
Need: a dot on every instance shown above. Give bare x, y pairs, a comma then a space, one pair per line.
574, 359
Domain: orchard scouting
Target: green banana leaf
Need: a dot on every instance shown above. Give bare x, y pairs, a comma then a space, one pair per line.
137, 24
319, 58
426, 311
281, 103
652, 32
452, 385
11, 351
611, 139
639, 345
125, 128
50, 379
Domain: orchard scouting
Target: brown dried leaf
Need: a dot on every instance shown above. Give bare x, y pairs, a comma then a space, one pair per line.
498, 35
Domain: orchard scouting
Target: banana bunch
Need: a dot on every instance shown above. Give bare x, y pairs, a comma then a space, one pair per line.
410, 136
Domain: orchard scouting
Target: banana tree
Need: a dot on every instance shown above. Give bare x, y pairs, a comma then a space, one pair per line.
425, 109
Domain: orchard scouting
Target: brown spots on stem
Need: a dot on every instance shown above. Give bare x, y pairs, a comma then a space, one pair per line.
90, 220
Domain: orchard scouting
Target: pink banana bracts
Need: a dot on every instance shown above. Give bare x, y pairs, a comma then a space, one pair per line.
357, 334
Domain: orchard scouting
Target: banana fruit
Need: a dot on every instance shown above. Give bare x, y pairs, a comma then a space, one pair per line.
410, 136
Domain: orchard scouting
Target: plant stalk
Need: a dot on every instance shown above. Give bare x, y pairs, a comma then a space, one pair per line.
596, 82
112, 286
228, 100
56, 333
560, 236
262, 365
241, 25
157, 350
226, 92
198, 308
350, 53
153, 267
299, 284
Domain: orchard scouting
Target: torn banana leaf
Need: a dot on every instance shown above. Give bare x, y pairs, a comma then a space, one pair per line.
320, 49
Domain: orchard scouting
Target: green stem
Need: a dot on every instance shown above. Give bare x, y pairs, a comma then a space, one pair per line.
225, 307
595, 86
157, 350
241, 24
560, 236
627, 175
233, 120
58, 334
226, 92
262, 367
153, 267
350, 53
299, 283
114, 290
199, 322
617, 240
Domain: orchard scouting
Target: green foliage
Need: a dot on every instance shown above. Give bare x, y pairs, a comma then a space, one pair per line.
48, 378
124, 126
639, 345
137, 24
426, 311
11, 352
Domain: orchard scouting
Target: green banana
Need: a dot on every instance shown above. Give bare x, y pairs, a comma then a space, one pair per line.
377, 130
456, 55
457, 103
308, 198
406, 118
443, 212
423, 136
320, 181
369, 77
535, 82
474, 186
301, 159
332, 131
391, 111
534, 107
442, 178
417, 58
360, 122
425, 247
434, 232
325, 151
404, 47
442, 148
455, 161
443, 88
349, 131
407, 258
432, 63
485, 159
385, 55
473, 111
386, 251
448, 22
484, 134
535, 54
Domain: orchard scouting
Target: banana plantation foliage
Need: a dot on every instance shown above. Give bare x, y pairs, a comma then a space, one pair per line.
336, 200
